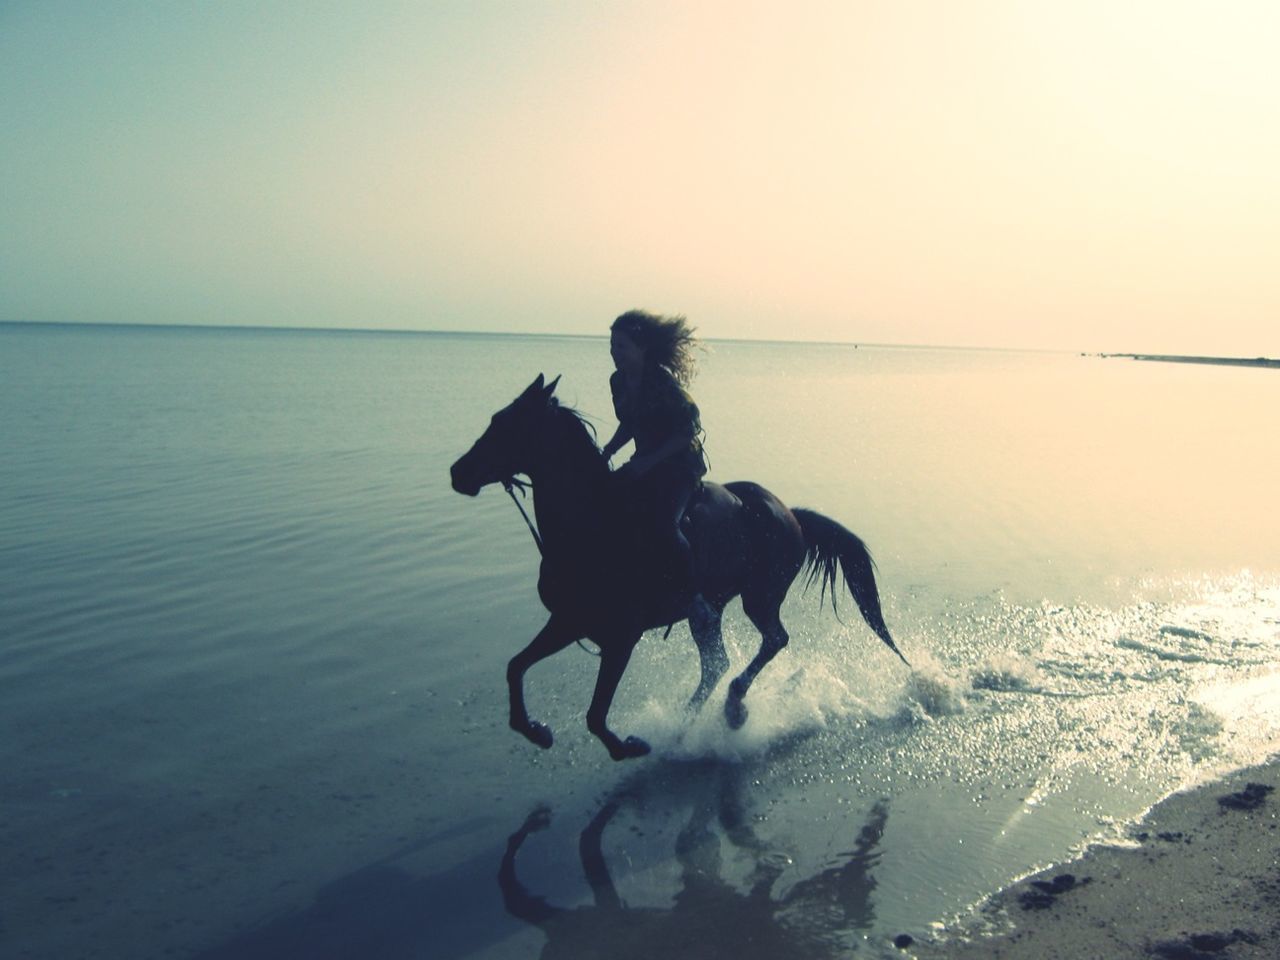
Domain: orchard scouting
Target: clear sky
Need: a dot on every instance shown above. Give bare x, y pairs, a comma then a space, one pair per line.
1092, 174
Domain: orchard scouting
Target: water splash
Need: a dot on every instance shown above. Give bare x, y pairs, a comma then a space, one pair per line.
1007, 673
784, 707
932, 692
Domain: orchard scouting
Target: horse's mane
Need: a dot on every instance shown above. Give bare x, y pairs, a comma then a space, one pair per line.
579, 431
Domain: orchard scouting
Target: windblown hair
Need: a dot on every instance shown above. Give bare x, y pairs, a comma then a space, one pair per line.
667, 341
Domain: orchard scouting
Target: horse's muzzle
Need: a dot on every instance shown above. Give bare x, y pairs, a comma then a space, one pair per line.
462, 483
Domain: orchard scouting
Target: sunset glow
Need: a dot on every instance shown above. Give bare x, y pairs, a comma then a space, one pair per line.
1093, 176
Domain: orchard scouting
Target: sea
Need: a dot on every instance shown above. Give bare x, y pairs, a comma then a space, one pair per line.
253, 648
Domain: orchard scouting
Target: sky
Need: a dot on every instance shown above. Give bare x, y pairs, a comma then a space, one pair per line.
1099, 175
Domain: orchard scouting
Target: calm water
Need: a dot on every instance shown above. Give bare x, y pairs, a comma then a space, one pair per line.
252, 674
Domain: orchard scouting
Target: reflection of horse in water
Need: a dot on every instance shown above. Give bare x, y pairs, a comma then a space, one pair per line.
598, 585
709, 918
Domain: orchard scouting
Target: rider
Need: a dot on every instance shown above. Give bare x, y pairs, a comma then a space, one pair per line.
654, 359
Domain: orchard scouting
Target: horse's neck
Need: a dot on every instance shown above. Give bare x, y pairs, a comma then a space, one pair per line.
570, 495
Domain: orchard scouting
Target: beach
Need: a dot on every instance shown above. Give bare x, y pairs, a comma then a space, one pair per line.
1201, 880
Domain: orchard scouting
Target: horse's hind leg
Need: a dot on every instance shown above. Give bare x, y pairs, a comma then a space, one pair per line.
764, 614
552, 638
704, 624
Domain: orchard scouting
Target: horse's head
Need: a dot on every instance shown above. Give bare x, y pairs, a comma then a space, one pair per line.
507, 447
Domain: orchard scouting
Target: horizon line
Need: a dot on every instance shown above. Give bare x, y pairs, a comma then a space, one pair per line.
1256, 360
287, 328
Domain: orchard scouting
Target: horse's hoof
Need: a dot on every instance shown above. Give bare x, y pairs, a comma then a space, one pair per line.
629, 749
735, 713
539, 734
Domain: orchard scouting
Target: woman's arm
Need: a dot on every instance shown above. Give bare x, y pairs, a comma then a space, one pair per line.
622, 435
620, 438
670, 447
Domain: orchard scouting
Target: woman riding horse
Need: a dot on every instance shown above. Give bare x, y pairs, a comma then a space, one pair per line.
654, 360
753, 543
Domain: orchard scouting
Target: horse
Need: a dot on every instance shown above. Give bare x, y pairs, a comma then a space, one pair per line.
598, 581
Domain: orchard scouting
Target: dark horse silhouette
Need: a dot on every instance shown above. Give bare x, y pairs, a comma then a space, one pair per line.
598, 581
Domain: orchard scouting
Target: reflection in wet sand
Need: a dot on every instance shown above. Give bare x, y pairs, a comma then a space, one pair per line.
709, 916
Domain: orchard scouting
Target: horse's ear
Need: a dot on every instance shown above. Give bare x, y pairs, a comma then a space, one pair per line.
550, 388
533, 388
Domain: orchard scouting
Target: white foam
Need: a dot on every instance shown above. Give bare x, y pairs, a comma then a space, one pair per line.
1249, 715
772, 718
786, 701
1004, 672
932, 692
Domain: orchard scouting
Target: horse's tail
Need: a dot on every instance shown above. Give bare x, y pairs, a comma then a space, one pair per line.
828, 544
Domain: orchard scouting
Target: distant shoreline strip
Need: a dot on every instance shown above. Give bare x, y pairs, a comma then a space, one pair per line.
1216, 361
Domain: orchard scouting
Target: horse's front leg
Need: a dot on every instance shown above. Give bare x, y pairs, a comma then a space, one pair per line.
615, 653
552, 638
518, 900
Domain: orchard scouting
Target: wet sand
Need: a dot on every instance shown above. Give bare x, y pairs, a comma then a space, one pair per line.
1203, 883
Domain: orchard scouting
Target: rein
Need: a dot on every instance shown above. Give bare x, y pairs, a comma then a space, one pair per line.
511, 484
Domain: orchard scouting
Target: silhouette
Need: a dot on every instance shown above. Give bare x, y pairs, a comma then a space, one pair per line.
709, 918
653, 361
597, 585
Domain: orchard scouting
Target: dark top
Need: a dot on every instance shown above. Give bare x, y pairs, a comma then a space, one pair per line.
662, 410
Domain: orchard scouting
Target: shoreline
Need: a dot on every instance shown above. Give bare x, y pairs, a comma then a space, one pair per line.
1214, 361
1202, 883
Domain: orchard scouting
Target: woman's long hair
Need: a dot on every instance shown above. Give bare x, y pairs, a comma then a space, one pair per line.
667, 341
